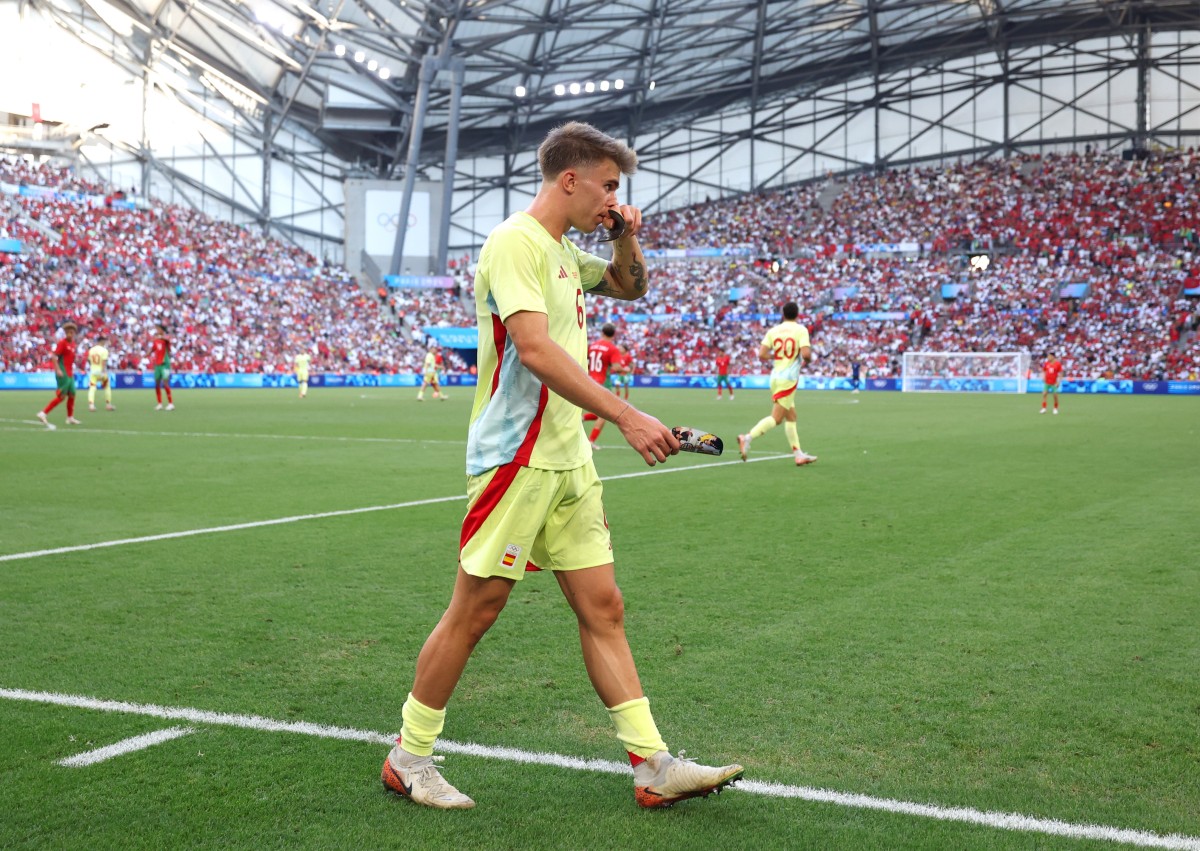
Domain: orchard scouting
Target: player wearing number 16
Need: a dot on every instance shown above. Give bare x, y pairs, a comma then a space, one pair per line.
786, 346
533, 497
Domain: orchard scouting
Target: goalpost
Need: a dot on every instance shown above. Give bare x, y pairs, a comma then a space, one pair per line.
965, 372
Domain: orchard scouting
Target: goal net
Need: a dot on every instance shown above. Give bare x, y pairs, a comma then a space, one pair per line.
965, 372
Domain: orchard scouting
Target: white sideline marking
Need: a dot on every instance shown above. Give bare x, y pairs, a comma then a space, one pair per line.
997, 820
187, 533
136, 743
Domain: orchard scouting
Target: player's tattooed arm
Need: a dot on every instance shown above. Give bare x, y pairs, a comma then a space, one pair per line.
626, 277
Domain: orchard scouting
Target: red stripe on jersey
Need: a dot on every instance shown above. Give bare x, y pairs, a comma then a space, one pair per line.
504, 476
487, 502
784, 393
499, 337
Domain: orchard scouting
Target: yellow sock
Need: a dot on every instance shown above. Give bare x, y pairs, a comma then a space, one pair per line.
303, 388
793, 438
762, 427
422, 726
636, 727
108, 393
91, 396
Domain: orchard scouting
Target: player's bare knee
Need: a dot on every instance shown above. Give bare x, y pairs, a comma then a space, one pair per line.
603, 610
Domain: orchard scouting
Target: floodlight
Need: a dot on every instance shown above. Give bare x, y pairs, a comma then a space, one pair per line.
340, 50
619, 84
589, 87
574, 87
604, 85
520, 91
359, 55
560, 89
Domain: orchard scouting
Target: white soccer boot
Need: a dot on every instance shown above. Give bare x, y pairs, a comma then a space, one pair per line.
743, 445
803, 458
170, 406
416, 777
41, 415
73, 421
663, 780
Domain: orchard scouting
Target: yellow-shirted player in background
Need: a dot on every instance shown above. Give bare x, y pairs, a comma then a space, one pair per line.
432, 369
97, 358
302, 362
786, 345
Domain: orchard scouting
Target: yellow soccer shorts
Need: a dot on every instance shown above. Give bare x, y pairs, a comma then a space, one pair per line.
784, 394
519, 517
98, 379
302, 376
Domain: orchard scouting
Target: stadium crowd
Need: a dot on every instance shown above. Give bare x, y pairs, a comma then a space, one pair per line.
233, 300
1088, 256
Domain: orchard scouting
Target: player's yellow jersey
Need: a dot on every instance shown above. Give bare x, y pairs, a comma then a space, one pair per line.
97, 358
785, 341
302, 362
430, 363
515, 418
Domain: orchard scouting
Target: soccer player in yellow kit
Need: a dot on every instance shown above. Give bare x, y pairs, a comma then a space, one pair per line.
97, 358
785, 345
302, 362
433, 363
533, 495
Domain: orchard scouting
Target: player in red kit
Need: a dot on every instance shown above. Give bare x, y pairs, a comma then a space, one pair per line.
1052, 378
64, 375
160, 359
600, 358
623, 379
723, 374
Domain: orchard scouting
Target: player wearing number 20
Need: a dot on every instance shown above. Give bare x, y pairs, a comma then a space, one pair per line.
785, 345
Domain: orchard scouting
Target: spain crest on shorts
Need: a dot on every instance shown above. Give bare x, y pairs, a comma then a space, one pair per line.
511, 553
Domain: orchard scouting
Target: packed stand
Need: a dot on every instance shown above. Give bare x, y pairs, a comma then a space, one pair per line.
1125, 230
233, 300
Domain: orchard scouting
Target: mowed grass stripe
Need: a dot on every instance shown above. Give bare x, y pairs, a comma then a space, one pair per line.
1001, 821
327, 514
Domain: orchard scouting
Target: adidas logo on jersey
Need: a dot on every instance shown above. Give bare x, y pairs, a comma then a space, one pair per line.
562, 273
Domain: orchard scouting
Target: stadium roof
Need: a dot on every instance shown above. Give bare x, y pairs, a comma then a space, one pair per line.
347, 71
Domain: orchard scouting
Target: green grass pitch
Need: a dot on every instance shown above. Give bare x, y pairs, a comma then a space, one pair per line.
962, 604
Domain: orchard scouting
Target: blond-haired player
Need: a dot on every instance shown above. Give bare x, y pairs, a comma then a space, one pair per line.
302, 363
786, 346
97, 358
533, 495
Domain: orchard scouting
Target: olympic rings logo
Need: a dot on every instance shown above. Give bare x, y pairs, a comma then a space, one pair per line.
393, 220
